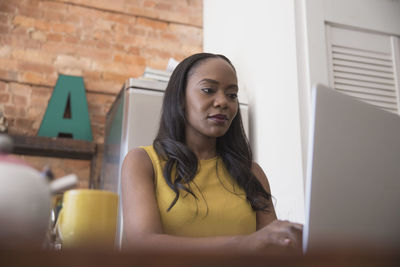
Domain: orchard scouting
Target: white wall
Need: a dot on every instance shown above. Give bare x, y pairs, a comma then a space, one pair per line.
259, 37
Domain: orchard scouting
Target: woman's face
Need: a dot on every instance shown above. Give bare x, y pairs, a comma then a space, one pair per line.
211, 98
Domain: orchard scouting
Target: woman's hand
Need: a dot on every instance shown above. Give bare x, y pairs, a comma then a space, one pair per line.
276, 236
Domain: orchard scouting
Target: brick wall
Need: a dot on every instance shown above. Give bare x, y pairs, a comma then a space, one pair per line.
104, 41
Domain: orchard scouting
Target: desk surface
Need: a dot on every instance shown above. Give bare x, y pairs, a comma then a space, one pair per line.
31, 258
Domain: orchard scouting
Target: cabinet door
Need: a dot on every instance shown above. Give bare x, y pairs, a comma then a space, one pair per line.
351, 45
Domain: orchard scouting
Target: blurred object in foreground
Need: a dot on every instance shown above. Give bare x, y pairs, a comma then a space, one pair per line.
3, 123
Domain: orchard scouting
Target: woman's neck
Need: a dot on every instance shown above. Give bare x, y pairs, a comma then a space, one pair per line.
203, 148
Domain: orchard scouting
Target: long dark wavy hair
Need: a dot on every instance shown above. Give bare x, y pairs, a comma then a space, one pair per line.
233, 147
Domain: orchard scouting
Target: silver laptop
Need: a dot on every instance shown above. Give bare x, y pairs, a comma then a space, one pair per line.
352, 195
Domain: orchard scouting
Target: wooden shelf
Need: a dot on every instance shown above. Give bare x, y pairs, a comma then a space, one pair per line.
61, 148
53, 147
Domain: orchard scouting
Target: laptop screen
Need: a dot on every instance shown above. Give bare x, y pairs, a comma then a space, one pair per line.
353, 178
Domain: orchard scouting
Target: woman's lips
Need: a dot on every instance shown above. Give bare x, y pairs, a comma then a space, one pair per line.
220, 118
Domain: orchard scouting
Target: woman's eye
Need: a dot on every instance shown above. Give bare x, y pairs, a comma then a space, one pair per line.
233, 96
207, 90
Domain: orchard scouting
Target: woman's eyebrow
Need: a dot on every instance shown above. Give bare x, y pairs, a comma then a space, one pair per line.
208, 81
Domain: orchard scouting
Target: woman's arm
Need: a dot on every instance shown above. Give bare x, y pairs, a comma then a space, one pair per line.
280, 231
264, 218
142, 223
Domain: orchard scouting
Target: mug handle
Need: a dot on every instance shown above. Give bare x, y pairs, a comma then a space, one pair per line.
59, 223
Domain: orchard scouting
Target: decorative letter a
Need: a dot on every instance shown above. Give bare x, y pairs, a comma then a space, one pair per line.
67, 113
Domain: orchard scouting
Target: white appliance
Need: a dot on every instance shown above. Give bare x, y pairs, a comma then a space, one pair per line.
133, 121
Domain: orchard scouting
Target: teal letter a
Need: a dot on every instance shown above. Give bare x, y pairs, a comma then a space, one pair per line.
67, 113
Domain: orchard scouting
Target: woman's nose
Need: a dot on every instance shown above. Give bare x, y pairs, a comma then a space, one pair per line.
220, 100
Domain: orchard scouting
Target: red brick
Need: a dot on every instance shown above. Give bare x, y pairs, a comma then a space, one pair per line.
98, 119
194, 18
170, 37
5, 28
91, 74
4, 97
53, 15
103, 44
121, 19
41, 92
157, 63
24, 41
23, 21
10, 75
149, 3
104, 25
42, 25
10, 110
33, 78
38, 35
100, 99
129, 39
71, 39
30, 11
159, 25
3, 86
55, 37
95, 54
5, 51
23, 123
129, 59
33, 55
19, 100
96, 109
195, 3
87, 43
63, 28
9, 6
72, 62
139, 11
20, 89
5, 39
51, 5
185, 29
4, 18
118, 47
35, 101
102, 86
36, 111
115, 77
163, 45
137, 31
157, 53
191, 49
6, 62
163, 6
87, 22
134, 50
35, 67
19, 30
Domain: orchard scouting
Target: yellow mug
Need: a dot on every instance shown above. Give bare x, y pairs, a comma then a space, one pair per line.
88, 218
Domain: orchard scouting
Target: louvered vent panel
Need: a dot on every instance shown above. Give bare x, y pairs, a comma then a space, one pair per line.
361, 65
366, 75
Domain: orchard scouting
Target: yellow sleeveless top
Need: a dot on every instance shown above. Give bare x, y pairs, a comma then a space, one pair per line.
221, 207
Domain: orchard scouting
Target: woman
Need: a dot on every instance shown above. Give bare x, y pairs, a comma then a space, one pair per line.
196, 187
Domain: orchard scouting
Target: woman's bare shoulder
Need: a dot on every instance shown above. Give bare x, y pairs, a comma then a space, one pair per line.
138, 161
260, 175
